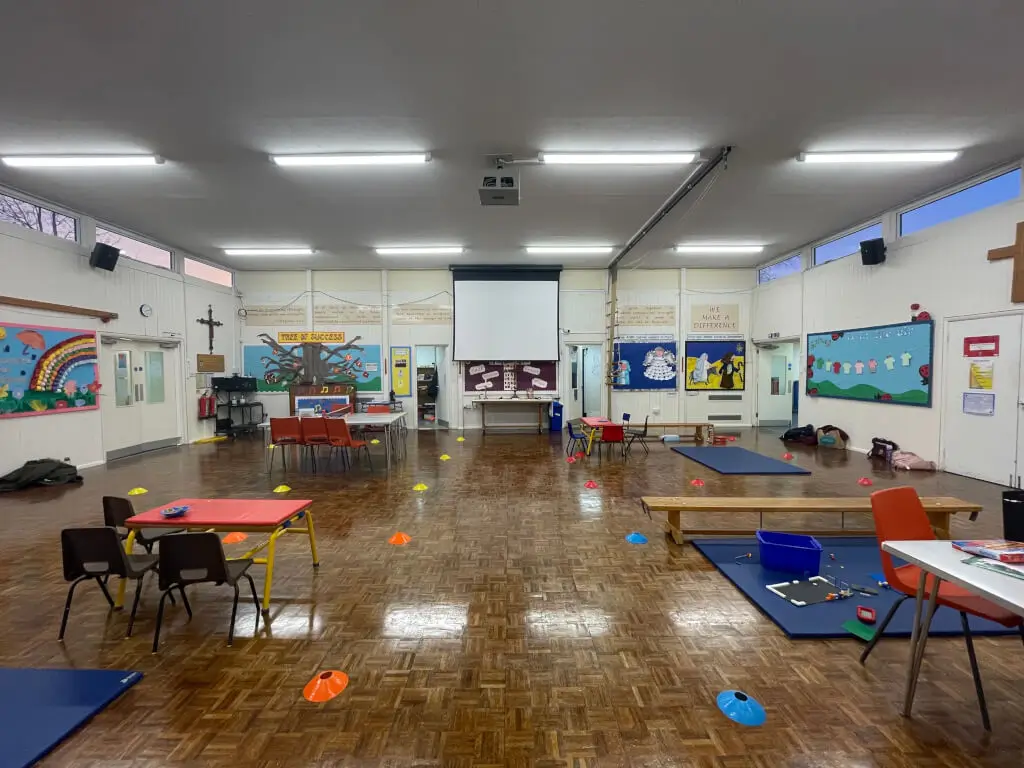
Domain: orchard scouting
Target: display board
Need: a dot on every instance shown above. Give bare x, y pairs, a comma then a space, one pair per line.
279, 366
47, 370
328, 394
882, 364
482, 378
401, 371
716, 365
644, 365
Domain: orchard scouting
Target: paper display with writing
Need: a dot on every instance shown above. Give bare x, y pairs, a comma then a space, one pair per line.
262, 315
508, 378
421, 314
340, 313
645, 315
715, 318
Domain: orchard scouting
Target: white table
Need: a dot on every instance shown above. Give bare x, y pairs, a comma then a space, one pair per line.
541, 404
393, 424
945, 563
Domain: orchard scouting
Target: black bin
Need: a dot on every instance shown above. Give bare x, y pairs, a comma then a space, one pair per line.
1013, 515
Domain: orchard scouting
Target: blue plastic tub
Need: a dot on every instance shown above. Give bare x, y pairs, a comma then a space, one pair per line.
789, 552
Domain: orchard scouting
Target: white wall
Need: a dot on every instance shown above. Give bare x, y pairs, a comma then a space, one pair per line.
44, 268
943, 268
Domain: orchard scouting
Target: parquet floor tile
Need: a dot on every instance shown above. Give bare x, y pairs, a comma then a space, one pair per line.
517, 628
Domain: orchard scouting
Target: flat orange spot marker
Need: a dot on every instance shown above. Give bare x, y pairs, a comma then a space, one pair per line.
235, 537
325, 686
400, 539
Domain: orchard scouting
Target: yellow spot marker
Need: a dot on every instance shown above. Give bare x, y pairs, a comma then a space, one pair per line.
282, 489
3, 333
375, 441
204, 440
137, 491
445, 457
460, 439
419, 487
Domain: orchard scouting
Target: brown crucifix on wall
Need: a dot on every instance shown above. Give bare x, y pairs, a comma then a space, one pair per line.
210, 323
1015, 252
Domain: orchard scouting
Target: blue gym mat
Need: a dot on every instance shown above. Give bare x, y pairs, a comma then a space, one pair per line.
733, 460
40, 707
858, 557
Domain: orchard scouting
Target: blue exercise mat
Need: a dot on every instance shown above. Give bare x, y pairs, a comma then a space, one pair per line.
40, 707
858, 557
733, 460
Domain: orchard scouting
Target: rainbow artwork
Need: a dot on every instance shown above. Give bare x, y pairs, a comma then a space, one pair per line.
47, 370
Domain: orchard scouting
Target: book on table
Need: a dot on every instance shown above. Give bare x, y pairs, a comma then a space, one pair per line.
996, 549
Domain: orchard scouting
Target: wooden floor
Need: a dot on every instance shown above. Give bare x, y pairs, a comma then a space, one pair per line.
517, 628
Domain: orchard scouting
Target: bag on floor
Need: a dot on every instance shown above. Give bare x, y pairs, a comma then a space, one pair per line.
882, 449
39, 472
804, 435
831, 436
911, 461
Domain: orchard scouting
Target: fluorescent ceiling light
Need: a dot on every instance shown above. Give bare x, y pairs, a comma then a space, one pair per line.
296, 250
568, 250
80, 161
719, 248
618, 158
432, 250
877, 157
395, 158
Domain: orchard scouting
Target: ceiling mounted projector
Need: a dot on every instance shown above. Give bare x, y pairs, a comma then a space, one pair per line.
500, 187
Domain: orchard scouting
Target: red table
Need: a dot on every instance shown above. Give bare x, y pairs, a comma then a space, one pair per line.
595, 423
275, 517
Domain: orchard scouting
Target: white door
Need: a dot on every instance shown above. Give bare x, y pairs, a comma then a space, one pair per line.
975, 445
592, 366
573, 379
774, 393
441, 408
139, 405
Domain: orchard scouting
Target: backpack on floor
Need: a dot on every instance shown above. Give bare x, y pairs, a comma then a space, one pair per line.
831, 436
804, 435
882, 448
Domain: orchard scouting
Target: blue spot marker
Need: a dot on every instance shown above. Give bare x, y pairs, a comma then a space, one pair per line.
636, 538
740, 708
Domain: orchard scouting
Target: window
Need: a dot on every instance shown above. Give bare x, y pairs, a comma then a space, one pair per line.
154, 377
31, 216
974, 198
784, 268
845, 245
136, 250
202, 271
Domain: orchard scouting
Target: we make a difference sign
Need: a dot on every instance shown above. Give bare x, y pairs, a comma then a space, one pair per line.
715, 318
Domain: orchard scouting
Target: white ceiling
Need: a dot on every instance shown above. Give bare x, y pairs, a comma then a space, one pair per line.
214, 86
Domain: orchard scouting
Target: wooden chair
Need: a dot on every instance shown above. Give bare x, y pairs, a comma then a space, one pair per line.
899, 516
284, 432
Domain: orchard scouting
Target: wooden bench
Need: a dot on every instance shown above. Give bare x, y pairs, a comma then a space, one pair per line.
939, 509
703, 431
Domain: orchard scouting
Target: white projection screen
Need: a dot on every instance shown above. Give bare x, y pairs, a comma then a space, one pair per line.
506, 315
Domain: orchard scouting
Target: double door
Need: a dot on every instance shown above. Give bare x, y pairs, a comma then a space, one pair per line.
140, 396
982, 401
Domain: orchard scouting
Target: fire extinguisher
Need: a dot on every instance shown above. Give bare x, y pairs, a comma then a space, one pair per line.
207, 405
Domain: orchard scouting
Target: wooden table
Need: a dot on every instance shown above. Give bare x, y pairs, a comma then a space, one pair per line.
272, 516
945, 563
939, 509
703, 431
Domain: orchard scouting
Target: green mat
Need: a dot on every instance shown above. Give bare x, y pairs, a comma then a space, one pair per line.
859, 629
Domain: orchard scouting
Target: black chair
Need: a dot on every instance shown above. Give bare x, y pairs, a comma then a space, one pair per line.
638, 434
198, 558
117, 510
96, 553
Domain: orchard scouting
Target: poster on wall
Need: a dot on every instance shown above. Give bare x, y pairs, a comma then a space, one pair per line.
715, 318
401, 374
981, 374
47, 370
278, 366
644, 364
889, 364
718, 365
484, 378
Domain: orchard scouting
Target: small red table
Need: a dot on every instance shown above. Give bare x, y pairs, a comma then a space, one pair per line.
595, 423
272, 516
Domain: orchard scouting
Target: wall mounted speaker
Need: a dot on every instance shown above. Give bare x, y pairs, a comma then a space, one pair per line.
104, 256
872, 251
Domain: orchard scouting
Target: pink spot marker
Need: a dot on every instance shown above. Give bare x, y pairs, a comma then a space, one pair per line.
590, 484
697, 482
732, 438
865, 481
580, 454
787, 456
570, 459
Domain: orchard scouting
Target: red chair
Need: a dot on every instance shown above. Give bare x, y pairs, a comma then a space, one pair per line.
378, 408
612, 434
345, 435
284, 432
339, 438
314, 434
899, 516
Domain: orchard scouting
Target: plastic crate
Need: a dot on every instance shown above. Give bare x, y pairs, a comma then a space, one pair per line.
789, 552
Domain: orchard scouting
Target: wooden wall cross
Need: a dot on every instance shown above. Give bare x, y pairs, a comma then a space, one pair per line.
210, 323
1015, 252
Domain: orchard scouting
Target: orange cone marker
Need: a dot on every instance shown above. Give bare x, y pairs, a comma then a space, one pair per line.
325, 686
400, 539
235, 537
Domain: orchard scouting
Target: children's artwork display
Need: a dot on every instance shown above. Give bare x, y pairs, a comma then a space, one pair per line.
644, 365
882, 364
279, 366
484, 377
716, 365
47, 370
